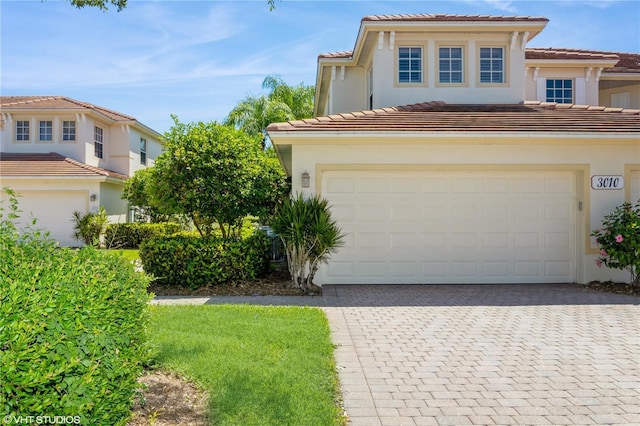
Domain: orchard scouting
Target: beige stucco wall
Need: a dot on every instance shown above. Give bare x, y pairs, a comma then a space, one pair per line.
585, 89
633, 91
585, 156
351, 92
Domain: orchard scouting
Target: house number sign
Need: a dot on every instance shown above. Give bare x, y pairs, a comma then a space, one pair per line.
607, 182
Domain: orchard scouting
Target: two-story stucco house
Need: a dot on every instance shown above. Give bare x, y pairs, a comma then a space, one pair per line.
62, 155
452, 153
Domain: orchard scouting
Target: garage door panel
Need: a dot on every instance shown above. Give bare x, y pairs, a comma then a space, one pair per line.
53, 211
511, 227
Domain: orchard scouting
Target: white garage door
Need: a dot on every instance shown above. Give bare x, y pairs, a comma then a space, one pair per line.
54, 210
453, 227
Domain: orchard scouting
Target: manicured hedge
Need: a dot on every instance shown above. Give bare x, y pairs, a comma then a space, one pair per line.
194, 262
72, 330
130, 235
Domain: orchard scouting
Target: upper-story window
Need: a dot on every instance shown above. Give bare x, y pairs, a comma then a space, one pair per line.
68, 131
410, 65
98, 142
450, 65
560, 91
22, 130
46, 131
143, 151
492, 65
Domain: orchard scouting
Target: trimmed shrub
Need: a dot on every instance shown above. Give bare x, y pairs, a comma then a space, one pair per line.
72, 329
194, 262
130, 235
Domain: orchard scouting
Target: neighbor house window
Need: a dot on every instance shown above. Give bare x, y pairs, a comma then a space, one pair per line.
143, 151
491, 65
68, 131
450, 65
560, 91
22, 130
46, 131
98, 141
410, 65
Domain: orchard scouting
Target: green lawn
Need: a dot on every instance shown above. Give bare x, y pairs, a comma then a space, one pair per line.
261, 365
129, 254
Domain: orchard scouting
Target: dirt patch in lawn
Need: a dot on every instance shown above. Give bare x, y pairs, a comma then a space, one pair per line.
168, 399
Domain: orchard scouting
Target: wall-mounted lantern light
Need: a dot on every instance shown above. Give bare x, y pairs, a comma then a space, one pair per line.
305, 179
93, 197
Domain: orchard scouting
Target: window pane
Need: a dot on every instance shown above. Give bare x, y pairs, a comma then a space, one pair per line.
567, 84
403, 53
403, 77
456, 53
444, 77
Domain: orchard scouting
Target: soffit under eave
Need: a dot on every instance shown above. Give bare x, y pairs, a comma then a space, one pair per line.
570, 63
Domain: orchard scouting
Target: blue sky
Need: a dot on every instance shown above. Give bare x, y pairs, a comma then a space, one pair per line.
197, 59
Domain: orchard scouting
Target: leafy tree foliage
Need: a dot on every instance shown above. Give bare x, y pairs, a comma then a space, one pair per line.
137, 190
216, 175
121, 4
283, 103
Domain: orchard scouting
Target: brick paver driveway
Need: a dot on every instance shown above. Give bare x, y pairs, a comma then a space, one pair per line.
486, 354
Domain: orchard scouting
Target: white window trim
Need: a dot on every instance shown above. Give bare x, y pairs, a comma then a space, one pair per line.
423, 62
75, 131
505, 66
23, 141
465, 67
96, 142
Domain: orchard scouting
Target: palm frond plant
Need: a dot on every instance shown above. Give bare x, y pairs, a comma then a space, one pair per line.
309, 234
88, 227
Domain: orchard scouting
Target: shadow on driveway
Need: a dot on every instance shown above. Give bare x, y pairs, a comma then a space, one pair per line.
469, 295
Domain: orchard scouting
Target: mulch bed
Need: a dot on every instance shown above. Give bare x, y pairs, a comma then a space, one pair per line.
277, 283
614, 287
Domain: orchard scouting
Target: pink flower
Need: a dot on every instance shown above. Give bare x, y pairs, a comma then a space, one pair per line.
603, 253
599, 263
619, 238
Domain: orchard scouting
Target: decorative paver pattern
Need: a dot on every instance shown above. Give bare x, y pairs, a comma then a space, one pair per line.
486, 355
480, 354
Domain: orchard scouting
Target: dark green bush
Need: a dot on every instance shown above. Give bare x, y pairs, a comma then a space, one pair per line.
130, 235
72, 329
194, 262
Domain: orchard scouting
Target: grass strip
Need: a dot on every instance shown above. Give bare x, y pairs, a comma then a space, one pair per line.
262, 365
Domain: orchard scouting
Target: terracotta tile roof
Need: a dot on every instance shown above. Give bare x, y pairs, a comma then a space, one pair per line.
627, 62
58, 102
49, 165
439, 17
530, 117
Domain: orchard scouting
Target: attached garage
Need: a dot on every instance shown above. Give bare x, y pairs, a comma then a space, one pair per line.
446, 194
453, 226
53, 210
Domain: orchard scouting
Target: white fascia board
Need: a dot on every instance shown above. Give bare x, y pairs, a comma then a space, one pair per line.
277, 136
620, 76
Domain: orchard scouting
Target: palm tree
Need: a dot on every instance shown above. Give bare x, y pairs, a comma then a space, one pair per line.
252, 115
298, 98
283, 103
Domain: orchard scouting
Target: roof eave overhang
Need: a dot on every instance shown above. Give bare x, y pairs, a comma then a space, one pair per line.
564, 63
107, 179
634, 75
471, 137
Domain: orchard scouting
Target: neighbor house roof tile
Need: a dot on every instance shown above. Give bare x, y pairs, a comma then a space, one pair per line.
439, 17
627, 62
60, 103
530, 117
49, 165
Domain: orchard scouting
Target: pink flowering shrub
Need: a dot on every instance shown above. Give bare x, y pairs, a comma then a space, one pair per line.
619, 240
